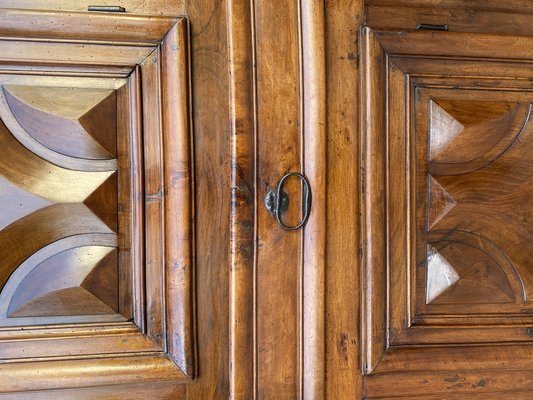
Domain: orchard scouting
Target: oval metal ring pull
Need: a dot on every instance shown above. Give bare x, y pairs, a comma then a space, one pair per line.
279, 201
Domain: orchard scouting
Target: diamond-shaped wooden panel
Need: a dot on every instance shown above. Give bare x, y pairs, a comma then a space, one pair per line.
59, 200
479, 213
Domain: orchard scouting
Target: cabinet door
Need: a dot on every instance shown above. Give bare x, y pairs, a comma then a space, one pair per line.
96, 215
448, 218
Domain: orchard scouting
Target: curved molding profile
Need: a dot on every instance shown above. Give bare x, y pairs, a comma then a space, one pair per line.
19, 117
48, 270
243, 223
36, 175
313, 103
88, 115
491, 250
49, 225
508, 126
144, 30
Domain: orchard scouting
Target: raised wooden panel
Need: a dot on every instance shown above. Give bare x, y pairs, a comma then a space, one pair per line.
85, 117
476, 187
447, 212
95, 187
48, 204
67, 284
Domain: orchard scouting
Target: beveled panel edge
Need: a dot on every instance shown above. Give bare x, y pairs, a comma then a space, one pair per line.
376, 341
373, 224
168, 161
178, 194
87, 372
457, 45
80, 26
179, 198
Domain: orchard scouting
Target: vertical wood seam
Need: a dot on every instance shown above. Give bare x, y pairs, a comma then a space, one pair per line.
256, 196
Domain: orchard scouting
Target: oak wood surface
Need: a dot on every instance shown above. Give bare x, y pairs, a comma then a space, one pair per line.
210, 116
343, 373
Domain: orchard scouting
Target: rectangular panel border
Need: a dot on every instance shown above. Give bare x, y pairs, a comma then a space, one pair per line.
122, 45
377, 51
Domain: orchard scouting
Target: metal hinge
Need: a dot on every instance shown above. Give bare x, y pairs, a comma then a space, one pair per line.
106, 9
431, 27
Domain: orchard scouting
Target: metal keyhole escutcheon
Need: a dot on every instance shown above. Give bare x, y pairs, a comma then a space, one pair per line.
277, 201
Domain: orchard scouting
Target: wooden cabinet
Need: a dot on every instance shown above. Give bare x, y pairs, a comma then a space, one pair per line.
138, 259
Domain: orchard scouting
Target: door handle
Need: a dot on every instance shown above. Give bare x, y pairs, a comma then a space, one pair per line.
277, 201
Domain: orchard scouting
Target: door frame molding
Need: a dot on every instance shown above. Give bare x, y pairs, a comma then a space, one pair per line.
121, 47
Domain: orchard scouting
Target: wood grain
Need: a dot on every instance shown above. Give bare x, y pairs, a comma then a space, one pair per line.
80, 25
487, 5
455, 292
373, 220
134, 391
458, 45
153, 200
313, 103
179, 205
88, 115
53, 288
279, 147
209, 58
343, 374
457, 382
509, 18
17, 377
152, 7
75, 224
244, 200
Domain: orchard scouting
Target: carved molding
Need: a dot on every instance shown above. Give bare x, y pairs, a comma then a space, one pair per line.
446, 173
98, 197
